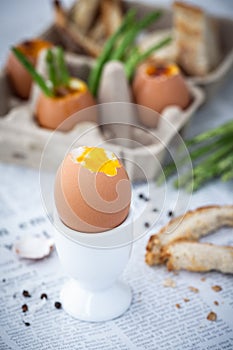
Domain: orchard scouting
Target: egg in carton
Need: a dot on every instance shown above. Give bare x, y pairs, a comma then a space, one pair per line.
118, 124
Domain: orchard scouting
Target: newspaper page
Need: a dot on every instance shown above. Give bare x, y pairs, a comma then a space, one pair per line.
160, 317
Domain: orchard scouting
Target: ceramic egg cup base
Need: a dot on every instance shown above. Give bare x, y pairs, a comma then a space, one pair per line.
95, 306
95, 263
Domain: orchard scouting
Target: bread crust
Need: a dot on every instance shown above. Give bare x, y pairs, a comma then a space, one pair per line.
189, 227
69, 32
84, 13
195, 256
187, 7
196, 39
111, 11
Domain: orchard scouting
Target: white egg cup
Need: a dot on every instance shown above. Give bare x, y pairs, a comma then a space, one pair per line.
95, 262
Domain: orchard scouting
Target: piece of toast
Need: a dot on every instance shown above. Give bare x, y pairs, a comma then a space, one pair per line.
98, 31
191, 226
84, 13
69, 33
195, 256
196, 39
112, 14
166, 54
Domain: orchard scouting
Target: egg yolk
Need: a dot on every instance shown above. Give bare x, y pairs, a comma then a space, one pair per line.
98, 160
32, 47
75, 86
168, 70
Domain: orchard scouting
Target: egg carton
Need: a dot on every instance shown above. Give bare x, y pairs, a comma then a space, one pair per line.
211, 82
22, 140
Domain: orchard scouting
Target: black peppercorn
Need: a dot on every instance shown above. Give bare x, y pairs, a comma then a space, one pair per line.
44, 296
170, 213
26, 294
57, 305
24, 307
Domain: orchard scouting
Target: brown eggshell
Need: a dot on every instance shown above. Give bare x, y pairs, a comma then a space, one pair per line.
158, 92
52, 111
19, 77
91, 202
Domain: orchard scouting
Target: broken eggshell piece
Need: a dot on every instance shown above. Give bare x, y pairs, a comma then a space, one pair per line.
33, 247
158, 87
20, 79
51, 112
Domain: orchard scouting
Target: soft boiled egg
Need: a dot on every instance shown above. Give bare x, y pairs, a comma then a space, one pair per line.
158, 87
51, 112
20, 79
92, 190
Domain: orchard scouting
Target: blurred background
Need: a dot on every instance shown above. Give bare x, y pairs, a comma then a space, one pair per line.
208, 94
26, 18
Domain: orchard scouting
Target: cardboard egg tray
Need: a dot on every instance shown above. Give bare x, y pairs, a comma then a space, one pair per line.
213, 81
209, 83
22, 140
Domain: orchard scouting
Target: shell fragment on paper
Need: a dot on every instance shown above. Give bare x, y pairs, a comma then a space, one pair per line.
33, 247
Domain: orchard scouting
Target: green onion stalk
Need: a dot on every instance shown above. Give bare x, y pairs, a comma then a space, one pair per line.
95, 74
121, 46
58, 75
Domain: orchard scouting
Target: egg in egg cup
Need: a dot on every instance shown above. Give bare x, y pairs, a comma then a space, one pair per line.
94, 221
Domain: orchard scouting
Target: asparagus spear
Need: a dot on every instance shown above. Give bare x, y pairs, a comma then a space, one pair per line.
51, 68
207, 169
228, 175
132, 34
95, 74
216, 158
135, 60
220, 130
62, 70
204, 167
226, 163
195, 154
36, 76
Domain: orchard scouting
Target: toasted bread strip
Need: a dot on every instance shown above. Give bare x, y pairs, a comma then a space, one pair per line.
97, 32
191, 226
84, 13
166, 54
111, 15
195, 256
195, 39
69, 32
60, 13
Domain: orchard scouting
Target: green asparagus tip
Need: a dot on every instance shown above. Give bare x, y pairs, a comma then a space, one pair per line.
61, 67
39, 79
